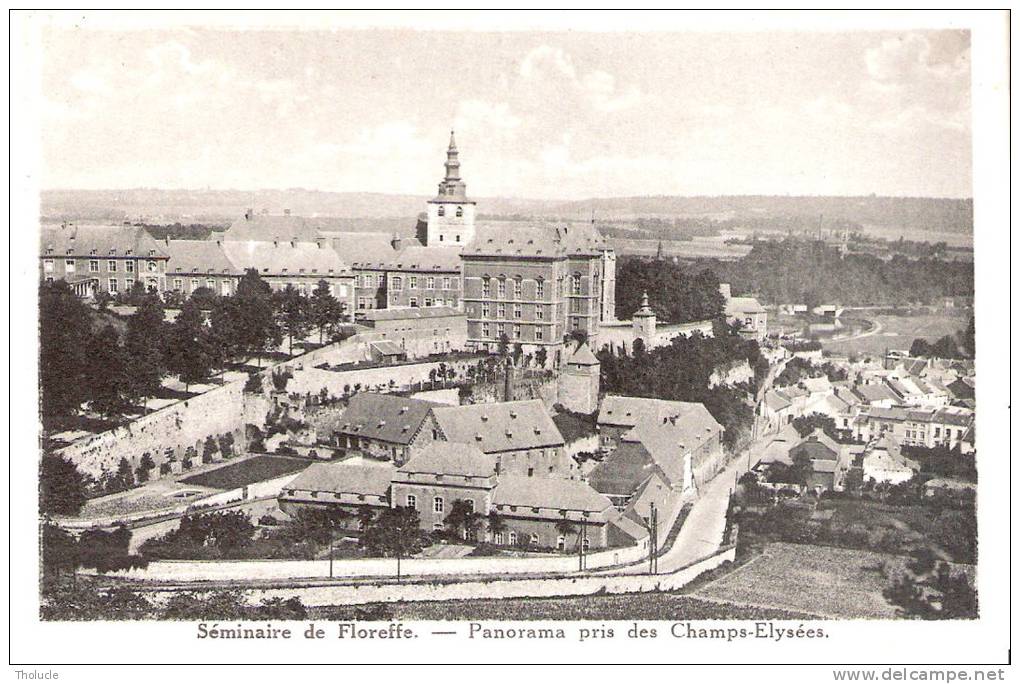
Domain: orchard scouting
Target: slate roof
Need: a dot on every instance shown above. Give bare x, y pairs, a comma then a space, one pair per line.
524, 240
582, 356
776, 400
362, 250
820, 384
105, 239
411, 313
818, 436
666, 445
282, 258
624, 470
548, 492
629, 527
198, 256
341, 477
384, 417
270, 227
451, 458
623, 411
502, 426
743, 305
875, 392
418, 258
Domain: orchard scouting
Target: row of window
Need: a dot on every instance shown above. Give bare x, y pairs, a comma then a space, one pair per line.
428, 302
518, 311
195, 283
94, 252
518, 287
517, 330
71, 266
438, 503
448, 282
511, 538
459, 213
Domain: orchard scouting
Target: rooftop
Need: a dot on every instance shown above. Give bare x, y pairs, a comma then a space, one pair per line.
384, 417
548, 492
347, 478
501, 426
451, 458
99, 240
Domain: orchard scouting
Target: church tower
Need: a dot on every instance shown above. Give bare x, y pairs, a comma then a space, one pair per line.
451, 215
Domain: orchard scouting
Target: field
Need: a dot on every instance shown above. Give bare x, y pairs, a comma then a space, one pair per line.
898, 332
825, 581
649, 606
246, 472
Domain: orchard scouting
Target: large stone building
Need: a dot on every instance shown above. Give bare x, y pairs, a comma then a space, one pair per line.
450, 214
102, 258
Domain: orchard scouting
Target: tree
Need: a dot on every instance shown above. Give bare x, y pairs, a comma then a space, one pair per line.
59, 551
65, 334
394, 533
107, 551
145, 466
920, 348
292, 315
189, 351
676, 294
143, 344
325, 311
945, 348
462, 519
102, 300
541, 356
966, 338
567, 528
805, 425
503, 348
254, 323
205, 298
61, 486
109, 374
495, 524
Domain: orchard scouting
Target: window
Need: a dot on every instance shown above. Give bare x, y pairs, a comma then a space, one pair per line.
540, 288
486, 310
412, 282
430, 282
357, 281
69, 265
455, 282
442, 210
178, 284
413, 302
518, 287
48, 266
539, 313
513, 538
501, 293
486, 286
500, 329
485, 330
151, 265
129, 283
501, 310
517, 331
437, 504
575, 323
93, 265
517, 310
368, 280
129, 266
470, 504
446, 283
498, 539
585, 544
113, 284
534, 538
111, 266
412, 501
538, 333
575, 284
398, 283
194, 284
361, 302
460, 211
211, 284
428, 301
531, 472
225, 288
561, 543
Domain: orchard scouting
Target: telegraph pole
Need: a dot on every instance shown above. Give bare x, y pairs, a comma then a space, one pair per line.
654, 539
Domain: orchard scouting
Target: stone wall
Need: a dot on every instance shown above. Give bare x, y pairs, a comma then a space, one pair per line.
169, 432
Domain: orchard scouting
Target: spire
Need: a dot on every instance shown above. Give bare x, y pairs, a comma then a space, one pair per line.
452, 162
645, 310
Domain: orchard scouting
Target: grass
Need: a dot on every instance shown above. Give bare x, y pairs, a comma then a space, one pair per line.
898, 332
645, 606
825, 581
246, 472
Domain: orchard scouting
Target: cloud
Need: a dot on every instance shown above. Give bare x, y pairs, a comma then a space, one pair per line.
550, 66
543, 59
484, 116
916, 55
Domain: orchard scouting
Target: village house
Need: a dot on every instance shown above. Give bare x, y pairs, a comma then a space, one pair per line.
884, 462
352, 486
948, 427
746, 312
519, 434
387, 427
827, 458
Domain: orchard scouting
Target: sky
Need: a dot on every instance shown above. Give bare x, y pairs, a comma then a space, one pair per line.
557, 115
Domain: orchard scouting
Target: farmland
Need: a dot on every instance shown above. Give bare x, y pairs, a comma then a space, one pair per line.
898, 332
825, 581
249, 471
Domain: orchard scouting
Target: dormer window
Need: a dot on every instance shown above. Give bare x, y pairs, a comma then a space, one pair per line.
92, 252
460, 212
442, 210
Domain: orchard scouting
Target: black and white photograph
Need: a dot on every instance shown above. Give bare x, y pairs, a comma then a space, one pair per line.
513, 337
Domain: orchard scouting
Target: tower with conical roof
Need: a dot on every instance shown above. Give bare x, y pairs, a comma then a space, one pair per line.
451, 215
644, 322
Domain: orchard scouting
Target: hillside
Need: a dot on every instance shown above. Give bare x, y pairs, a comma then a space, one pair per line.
891, 214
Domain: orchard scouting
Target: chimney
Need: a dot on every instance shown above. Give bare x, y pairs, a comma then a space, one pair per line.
724, 290
286, 212
395, 242
293, 242
249, 213
166, 240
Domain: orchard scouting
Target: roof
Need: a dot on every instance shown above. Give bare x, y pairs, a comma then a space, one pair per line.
342, 477
451, 458
284, 257
411, 312
384, 417
776, 400
818, 436
523, 240
629, 411
887, 456
624, 470
777, 450
666, 445
743, 305
101, 240
387, 348
270, 227
629, 527
875, 392
548, 492
198, 256
418, 258
362, 250
582, 356
820, 384
501, 426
